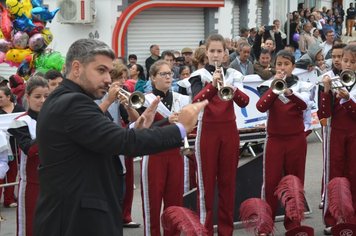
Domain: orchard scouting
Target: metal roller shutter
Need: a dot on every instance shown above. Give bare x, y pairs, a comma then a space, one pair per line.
170, 28
6, 70
236, 20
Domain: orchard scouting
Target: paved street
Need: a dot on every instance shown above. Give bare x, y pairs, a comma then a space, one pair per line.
312, 186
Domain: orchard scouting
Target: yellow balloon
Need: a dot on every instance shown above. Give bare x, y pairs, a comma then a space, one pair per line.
47, 36
27, 8
17, 55
15, 7
1, 35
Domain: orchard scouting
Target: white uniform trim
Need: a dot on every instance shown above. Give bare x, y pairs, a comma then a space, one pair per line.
21, 209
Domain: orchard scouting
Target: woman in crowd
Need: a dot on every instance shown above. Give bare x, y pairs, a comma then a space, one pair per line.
340, 106
286, 145
162, 178
8, 105
217, 139
23, 129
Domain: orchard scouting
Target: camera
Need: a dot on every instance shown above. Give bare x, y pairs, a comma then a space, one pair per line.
269, 27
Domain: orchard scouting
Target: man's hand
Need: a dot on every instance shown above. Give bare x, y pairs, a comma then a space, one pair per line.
188, 116
343, 93
147, 117
327, 83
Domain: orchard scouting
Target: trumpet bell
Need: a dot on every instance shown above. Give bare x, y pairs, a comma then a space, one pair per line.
136, 100
348, 78
278, 86
226, 93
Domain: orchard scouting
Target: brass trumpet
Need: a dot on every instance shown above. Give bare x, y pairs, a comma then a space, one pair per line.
186, 149
225, 92
346, 79
135, 99
278, 86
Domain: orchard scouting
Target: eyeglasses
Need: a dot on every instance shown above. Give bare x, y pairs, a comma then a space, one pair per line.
165, 74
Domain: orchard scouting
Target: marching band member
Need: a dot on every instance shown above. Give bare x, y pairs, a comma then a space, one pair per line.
23, 128
340, 106
162, 173
217, 141
286, 146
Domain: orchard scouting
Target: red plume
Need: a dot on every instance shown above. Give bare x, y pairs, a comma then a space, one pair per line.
340, 200
256, 215
183, 219
290, 192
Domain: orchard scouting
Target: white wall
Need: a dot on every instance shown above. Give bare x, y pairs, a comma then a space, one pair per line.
224, 25
65, 34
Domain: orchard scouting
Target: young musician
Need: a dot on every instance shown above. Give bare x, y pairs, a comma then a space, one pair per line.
162, 173
286, 146
23, 128
340, 106
217, 141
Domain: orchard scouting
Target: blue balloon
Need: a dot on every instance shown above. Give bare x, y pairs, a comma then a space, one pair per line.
43, 14
22, 23
36, 3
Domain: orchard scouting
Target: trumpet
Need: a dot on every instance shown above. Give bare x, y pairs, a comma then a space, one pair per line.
278, 86
225, 92
346, 79
186, 149
135, 99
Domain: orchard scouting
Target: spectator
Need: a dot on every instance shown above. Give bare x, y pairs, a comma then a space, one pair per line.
132, 59
3, 81
187, 53
242, 62
306, 38
263, 66
350, 19
328, 43
251, 37
54, 79
154, 49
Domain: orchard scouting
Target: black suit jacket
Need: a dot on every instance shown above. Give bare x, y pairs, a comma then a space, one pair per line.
79, 190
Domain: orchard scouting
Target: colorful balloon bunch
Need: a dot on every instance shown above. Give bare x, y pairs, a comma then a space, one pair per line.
24, 36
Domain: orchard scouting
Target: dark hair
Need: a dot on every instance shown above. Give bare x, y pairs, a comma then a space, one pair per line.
181, 68
85, 50
132, 56
35, 82
265, 51
7, 92
338, 46
215, 37
153, 45
53, 74
286, 55
167, 53
139, 68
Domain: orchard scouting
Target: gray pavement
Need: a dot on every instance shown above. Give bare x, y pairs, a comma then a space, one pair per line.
312, 188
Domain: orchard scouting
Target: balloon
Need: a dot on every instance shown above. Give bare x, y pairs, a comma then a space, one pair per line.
38, 29
36, 3
43, 14
2, 57
24, 24
48, 61
26, 66
6, 23
36, 42
15, 7
20, 40
1, 35
4, 45
296, 37
27, 8
47, 36
16, 56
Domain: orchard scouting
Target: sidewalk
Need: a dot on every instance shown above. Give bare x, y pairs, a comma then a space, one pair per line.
312, 186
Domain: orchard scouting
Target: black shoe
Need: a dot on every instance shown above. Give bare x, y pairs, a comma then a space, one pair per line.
327, 231
131, 225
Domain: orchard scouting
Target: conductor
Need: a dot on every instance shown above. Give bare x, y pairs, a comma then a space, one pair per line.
77, 173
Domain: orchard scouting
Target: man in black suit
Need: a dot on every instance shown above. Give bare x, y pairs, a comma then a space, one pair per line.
79, 191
